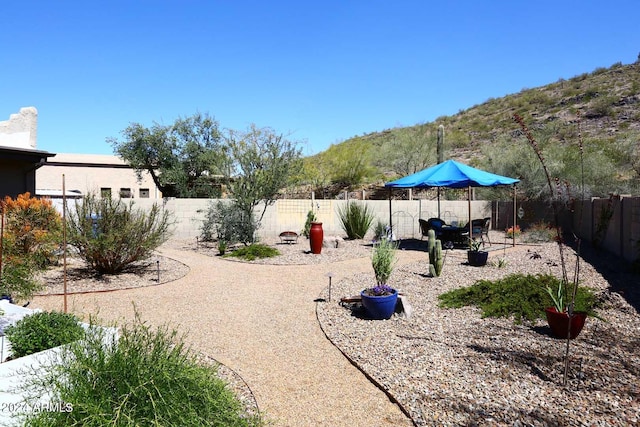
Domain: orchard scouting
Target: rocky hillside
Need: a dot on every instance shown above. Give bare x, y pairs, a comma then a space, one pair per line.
606, 103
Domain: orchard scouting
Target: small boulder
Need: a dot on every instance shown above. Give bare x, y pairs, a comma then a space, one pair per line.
332, 242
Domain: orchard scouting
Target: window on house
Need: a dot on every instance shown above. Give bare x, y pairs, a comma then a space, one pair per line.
105, 193
125, 193
144, 193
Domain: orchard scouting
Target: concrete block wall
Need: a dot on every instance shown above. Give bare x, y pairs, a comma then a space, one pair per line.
620, 235
291, 214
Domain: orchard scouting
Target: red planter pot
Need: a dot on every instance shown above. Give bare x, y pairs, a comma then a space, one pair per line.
559, 322
316, 235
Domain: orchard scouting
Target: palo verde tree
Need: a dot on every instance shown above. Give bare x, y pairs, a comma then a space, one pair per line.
264, 162
184, 159
411, 150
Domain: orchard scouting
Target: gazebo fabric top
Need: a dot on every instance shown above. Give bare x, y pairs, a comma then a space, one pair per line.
451, 174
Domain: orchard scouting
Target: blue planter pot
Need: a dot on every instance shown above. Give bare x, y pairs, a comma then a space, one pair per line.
381, 307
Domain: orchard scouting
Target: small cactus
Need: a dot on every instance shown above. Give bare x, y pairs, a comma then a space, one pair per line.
436, 260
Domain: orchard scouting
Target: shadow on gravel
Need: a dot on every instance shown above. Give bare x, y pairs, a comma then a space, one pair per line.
412, 245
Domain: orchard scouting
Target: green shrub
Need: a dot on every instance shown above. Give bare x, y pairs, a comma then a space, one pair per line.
17, 280
41, 331
311, 217
229, 223
111, 235
32, 234
356, 219
383, 260
539, 232
380, 230
144, 378
256, 250
517, 295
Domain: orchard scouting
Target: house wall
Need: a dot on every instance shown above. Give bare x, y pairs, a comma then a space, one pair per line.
90, 173
20, 131
18, 155
16, 178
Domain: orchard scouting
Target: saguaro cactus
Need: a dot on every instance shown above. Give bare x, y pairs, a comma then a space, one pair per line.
440, 143
435, 254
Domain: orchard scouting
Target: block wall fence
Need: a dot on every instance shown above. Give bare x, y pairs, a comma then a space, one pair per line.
612, 224
291, 214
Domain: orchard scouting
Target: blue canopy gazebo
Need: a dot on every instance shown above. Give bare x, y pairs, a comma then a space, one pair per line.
450, 174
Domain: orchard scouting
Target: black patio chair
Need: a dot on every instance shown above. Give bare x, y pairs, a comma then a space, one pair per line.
434, 224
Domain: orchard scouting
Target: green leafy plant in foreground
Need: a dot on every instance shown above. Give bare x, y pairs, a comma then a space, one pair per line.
144, 377
42, 331
254, 251
518, 296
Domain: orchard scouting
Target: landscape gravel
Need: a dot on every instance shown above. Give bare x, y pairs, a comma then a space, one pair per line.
450, 367
444, 367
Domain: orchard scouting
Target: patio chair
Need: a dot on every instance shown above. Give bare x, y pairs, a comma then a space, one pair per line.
434, 224
479, 229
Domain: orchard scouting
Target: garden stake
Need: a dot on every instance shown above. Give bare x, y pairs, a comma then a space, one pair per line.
330, 275
158, 266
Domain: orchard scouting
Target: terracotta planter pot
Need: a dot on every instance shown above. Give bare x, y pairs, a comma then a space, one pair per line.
559, 322
316, 235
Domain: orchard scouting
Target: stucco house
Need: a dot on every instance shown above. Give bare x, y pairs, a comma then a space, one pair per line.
103, 175
25, 168
19, 158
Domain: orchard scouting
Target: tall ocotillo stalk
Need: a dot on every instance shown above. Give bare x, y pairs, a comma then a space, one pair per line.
554, 191
435, 254
440, 144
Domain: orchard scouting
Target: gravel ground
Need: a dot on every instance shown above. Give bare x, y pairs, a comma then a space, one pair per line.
80, 279
450, 367
443, 366
260, 321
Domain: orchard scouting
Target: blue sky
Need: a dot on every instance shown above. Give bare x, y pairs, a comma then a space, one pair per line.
319, 71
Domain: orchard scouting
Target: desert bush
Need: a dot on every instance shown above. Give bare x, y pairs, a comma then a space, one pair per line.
518, 296
356, 219
539, 232
144, 377
33, 227
513, 231
110, 235
228, 223
41, 331
31, 235
18, 281
379, 230
311, 217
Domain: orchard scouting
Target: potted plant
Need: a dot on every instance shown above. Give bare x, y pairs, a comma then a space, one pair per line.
564, 321
475, 256
380, 300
